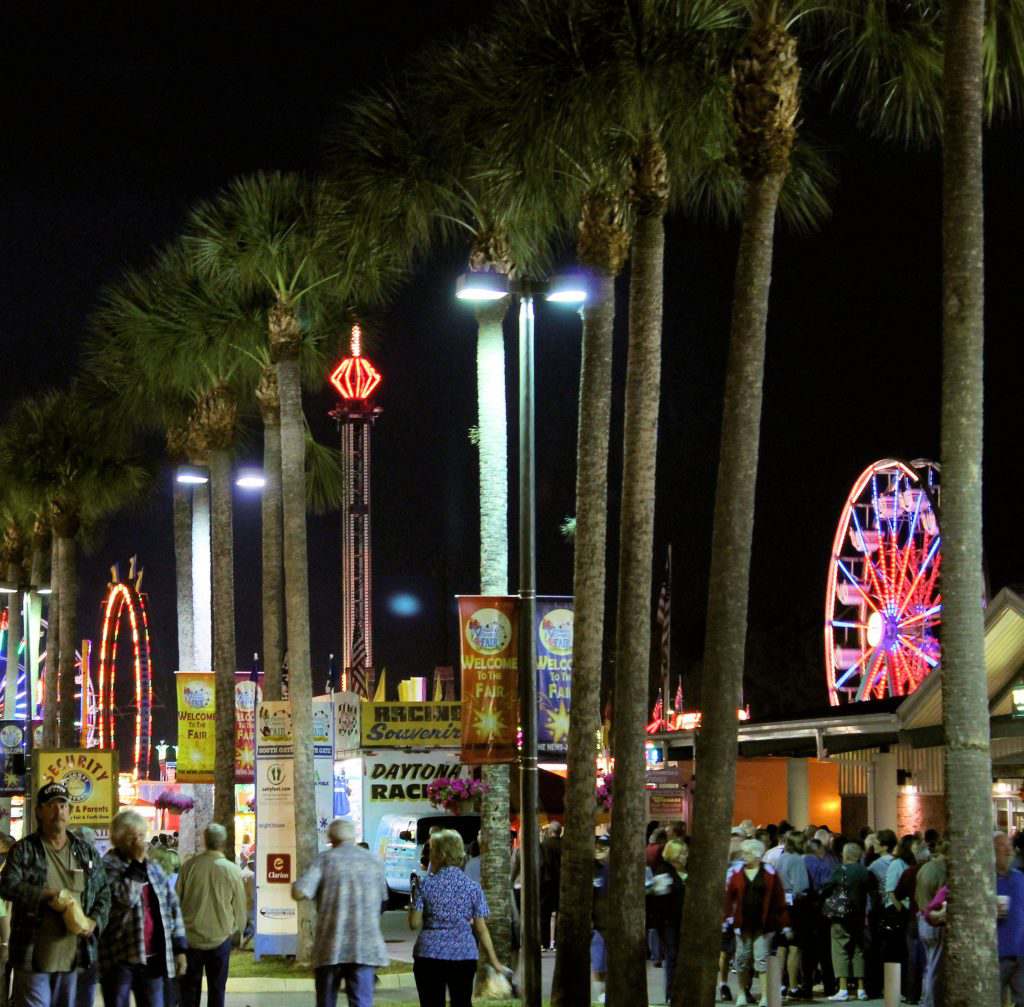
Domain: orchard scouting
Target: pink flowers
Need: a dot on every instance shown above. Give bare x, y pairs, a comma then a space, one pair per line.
169, 800
603, 793
451, 792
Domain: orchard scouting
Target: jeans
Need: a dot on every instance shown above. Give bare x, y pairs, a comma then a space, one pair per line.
215, 961
433, 974
120, 981
43, 989
360, 984
85, 986
669, 935
1011, 977
931, 980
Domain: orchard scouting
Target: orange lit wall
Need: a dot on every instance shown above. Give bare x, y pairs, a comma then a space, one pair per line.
823, 798
761, 792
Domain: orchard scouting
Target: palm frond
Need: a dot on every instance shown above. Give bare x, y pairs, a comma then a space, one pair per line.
324, 477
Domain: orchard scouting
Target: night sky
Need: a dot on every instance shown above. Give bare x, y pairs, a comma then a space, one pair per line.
117, 121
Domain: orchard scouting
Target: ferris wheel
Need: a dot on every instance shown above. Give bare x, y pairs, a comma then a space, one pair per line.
883, 606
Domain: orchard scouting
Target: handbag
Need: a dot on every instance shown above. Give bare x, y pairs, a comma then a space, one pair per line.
838, 905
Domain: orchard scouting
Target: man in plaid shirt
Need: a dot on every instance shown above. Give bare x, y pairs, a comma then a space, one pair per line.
144, 941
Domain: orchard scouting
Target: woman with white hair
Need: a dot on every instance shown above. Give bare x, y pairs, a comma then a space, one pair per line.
755, 906
144, 942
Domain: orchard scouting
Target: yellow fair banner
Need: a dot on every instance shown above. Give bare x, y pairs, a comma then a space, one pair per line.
197, 715
90, 776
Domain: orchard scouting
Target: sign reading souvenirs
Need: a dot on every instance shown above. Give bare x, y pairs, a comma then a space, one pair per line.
554, 672
488, 645
197, 715
90, 776
410, 725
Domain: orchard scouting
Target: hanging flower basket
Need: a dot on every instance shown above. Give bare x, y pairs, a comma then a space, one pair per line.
168, 800
456, 794
603, 793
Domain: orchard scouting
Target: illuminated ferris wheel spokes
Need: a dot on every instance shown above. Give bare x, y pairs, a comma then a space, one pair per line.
883, 607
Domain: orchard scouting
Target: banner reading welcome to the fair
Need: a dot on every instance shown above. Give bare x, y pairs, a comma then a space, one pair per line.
489, 648
248, 695
554, 672
197, 736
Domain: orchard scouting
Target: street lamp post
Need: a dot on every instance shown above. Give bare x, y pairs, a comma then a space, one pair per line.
484, 286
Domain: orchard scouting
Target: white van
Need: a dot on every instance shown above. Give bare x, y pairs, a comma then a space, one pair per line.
399, 842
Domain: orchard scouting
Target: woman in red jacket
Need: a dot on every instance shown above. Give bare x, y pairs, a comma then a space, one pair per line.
755, 907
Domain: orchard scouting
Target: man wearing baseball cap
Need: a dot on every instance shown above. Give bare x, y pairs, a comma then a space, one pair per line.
41, 872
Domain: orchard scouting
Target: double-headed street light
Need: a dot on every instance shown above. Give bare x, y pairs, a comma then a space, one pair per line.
476, 287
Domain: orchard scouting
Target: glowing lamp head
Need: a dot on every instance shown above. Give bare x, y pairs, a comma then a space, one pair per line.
250, 478
191, 475
355, 379
569, 288
481, 286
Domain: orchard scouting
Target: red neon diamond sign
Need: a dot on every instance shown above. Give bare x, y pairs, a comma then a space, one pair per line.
355, 378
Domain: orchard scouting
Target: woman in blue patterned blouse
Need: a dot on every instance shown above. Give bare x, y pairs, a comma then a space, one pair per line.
450, 908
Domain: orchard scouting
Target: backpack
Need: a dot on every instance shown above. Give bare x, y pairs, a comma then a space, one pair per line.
838, 905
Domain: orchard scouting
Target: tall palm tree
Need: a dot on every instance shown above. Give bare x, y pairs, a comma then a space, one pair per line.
971, 966
66, 452
924, 72
420, 181
282, 238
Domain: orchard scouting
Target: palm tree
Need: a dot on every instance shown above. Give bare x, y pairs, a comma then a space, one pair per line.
66, 452
282, 238
941, 71
766, 78
419, 180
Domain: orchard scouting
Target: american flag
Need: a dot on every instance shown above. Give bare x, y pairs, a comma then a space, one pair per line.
664, 616
677, 705
658, 713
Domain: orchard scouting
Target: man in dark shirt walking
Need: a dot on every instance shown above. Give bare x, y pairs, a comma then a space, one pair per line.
550, 880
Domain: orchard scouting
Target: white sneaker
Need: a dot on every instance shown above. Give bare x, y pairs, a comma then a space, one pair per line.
841, 995
741, 999
861, 995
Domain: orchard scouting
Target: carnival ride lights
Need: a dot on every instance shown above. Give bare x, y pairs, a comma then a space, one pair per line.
122, 597
355, 379
883, 607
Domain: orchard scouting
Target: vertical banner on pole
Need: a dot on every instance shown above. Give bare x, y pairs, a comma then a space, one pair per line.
489, 649
323, 766
554, 673
276, 924
197, 716
248, 695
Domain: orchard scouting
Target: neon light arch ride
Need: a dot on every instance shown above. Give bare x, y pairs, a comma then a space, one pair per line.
883, 607
125, 599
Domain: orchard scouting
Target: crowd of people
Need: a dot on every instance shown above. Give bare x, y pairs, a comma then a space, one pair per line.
138, 922
832, 908
135, 921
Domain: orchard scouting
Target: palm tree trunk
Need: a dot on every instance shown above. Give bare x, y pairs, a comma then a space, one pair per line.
571, 984
492, 420
69, 737
14, 633
224, 656
728, 588
296, 588
202, 591
51, 735
971, 967
273, 570
183, 577
626, 937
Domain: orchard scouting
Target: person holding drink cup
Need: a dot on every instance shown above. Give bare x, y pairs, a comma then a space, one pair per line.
1009, 921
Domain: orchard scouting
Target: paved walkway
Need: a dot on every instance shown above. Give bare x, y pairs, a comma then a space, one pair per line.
400, 988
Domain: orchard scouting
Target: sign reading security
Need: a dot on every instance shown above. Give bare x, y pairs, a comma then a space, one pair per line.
91, 778
411, 725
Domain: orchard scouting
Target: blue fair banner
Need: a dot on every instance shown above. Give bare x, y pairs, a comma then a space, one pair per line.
13, 741
554, 672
